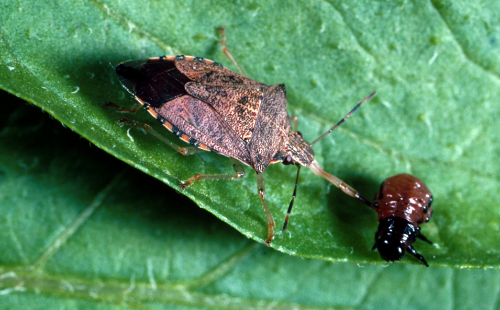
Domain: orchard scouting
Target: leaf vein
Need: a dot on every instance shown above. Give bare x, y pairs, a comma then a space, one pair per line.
459, 45
77, 223
134, 28
351, 30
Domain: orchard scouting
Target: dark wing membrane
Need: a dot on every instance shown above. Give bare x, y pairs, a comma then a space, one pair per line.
238, 106
270, 129
153, 82
201, 122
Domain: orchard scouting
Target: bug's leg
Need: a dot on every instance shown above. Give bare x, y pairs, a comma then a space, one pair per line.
346, 188
186, 150
291, 202
412, 251
228, 53
121, 109
422, 237
294, 120
237, 166
262, 195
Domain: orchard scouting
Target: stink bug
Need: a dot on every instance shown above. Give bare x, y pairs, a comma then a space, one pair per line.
217, 110
402, 203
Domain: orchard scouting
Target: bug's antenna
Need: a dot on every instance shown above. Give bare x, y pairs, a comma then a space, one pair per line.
293, 199
345, 117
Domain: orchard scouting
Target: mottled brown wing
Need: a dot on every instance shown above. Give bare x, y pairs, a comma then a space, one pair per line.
201, 123
261, 122
271, 128
211, 74
157, 83
237, 106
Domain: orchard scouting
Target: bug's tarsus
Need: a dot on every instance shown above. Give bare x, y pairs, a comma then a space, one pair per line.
228, 53
121, 109
293, 199
345, 117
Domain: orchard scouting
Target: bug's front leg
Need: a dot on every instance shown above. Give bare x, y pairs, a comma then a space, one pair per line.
262, 195
237, 166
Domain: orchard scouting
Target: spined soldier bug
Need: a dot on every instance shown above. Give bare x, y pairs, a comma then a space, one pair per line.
403, 203
217, 110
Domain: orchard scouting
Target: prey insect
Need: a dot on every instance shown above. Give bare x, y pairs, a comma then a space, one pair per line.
215, 109
403, 203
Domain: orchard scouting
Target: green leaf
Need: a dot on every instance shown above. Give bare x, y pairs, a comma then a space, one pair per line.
81, 230
434, 65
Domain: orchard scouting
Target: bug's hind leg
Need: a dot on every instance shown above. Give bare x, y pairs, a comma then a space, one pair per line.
184, 150
228, 53
240, 173
237, 166
262, 195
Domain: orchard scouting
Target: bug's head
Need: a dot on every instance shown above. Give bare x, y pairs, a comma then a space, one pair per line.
393, 237
298, 151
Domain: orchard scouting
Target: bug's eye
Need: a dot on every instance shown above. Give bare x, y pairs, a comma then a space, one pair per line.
299, 134
288, 160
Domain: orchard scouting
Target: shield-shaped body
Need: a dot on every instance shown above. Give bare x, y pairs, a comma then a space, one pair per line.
211, 107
